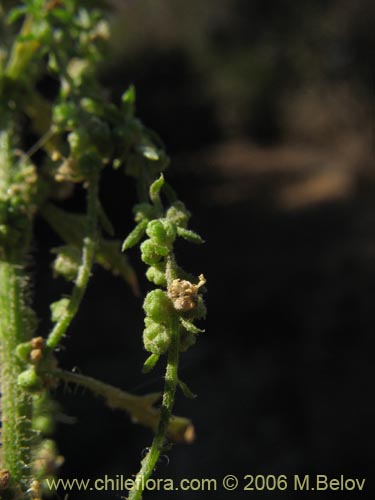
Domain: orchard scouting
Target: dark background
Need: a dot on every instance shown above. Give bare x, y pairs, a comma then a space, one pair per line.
266, 110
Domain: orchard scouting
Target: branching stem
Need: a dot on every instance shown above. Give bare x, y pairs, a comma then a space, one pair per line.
140, 408
84, 271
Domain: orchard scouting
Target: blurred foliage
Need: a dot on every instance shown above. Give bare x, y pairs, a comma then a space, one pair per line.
228, 66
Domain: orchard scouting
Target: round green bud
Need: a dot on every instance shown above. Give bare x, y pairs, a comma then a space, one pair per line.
29, 380
156, 274
67, 262
44, 424
65, 115
156, 337
59, 309
23, 351
187, 339
79, 141
151, 253
178, 214
162, 232
158, 306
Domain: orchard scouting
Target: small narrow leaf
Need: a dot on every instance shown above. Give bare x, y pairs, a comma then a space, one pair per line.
16, 13
150, 363
155, 189
186, 391
128, 97
190, 327
149, 152
189, 235
134, 237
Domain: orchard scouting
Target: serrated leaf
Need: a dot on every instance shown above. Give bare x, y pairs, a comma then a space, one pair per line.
71, 229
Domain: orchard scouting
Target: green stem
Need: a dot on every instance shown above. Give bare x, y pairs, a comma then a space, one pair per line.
140, 408
84, 271
171, 380
16, 405
15, 322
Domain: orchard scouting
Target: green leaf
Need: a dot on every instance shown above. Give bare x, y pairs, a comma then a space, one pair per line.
72, 229
155, 189
186, 391
16, 13
128, 97
135, 236
128, 102
189, 235
189, 326
150, 363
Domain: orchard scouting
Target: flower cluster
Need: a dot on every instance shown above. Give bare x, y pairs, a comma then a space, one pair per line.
177, 303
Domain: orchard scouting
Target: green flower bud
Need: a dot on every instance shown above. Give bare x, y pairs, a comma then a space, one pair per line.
65, 115
152, 253
23, 351
79, 141
156, 274
162, 232
156, 337
178, 214
158, 306
67, 262
44, 424
29, 380
59, 309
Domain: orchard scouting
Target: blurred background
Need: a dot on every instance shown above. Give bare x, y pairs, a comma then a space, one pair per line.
266, 109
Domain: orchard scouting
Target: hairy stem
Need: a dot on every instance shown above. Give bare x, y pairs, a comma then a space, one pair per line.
16, 406
15, 324
171, 380
84, 271
140, 408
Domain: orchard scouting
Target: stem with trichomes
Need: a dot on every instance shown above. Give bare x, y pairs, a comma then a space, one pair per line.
171, 380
